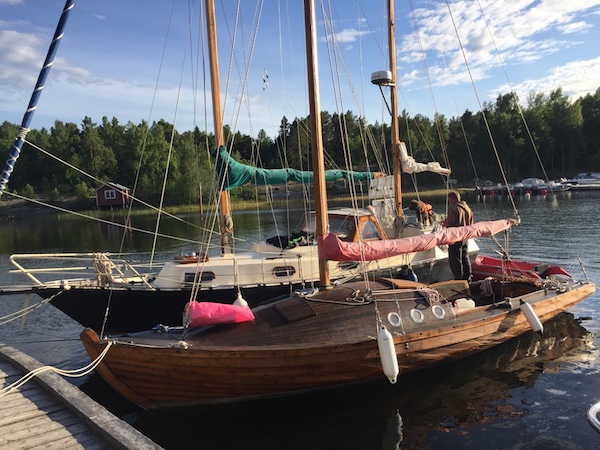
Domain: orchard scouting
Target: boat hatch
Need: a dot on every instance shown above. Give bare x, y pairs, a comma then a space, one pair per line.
294, 310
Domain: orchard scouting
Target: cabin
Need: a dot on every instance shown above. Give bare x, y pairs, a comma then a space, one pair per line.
113, 195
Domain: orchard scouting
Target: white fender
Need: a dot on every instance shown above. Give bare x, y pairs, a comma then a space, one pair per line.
532, 318
240, 301
387, 353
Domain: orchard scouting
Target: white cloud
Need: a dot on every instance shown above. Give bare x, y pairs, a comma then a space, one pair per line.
516, 32
349, 35
21, 58
576, 79
575, 27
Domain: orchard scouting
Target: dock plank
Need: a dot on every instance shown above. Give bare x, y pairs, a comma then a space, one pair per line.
50, 413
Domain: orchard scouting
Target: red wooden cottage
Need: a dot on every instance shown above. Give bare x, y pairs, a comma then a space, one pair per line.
113, 194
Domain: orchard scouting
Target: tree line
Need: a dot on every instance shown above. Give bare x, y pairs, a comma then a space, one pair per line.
550, 135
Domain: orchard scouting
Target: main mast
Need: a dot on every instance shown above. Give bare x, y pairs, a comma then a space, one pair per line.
318, 161
394, 112
225, 221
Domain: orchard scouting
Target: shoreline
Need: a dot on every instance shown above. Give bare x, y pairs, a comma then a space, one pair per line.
14, 209
17, 208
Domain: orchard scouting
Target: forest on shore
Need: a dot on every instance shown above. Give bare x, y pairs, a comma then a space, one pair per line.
551, 135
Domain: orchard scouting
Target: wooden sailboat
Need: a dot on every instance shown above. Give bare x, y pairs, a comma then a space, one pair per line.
112, 294
356, 332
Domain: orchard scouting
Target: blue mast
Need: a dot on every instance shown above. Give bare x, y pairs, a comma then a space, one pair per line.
35, 96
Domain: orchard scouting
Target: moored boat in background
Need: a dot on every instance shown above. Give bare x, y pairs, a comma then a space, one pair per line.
509, 269
584, 181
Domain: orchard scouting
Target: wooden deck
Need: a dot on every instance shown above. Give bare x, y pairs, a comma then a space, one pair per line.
49, 412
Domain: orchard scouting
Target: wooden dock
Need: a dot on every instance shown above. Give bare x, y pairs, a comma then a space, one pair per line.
49, 412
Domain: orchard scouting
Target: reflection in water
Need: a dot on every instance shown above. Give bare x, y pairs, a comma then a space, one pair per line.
414, 413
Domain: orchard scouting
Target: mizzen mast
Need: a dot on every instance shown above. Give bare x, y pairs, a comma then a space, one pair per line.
318, 161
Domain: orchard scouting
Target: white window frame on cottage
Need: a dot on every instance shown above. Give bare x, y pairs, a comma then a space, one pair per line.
110, 194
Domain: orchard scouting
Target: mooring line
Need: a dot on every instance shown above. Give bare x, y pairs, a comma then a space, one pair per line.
74, 373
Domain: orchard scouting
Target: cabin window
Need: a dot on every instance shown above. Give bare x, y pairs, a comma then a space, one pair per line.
370, 231
110, 194
340, 227
284, 271
192, 277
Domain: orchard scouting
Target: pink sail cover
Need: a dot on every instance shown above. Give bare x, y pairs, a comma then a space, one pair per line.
209, 313
330, 247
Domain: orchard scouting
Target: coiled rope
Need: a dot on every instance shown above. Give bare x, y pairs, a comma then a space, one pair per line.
75, 373
486, 287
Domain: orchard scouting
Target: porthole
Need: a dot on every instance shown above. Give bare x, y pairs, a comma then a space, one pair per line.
438, 311
417, 315
284, 271
394, 319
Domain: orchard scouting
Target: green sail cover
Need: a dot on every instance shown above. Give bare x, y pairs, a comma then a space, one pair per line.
233, 174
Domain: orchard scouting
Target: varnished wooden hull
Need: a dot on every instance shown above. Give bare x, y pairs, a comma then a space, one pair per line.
292, 347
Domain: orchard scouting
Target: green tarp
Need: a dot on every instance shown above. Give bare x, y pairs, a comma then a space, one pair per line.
233, 174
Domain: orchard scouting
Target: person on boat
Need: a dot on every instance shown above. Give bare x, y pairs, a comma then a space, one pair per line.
423, 211
459, 214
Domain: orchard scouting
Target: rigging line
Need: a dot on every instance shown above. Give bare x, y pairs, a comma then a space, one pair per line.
365, 133
10, 317
150, 112
71, 166
340, 60
514, 95
194, 67
244, 86
334, 56
170, 152
337, 60
454, 99
487, 125
200, 59
97, 219
462, 125
430, 88
233, 40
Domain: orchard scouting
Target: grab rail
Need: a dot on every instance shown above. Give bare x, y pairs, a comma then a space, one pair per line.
101, 268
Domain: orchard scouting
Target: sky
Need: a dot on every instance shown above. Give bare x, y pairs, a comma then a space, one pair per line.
138, 60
